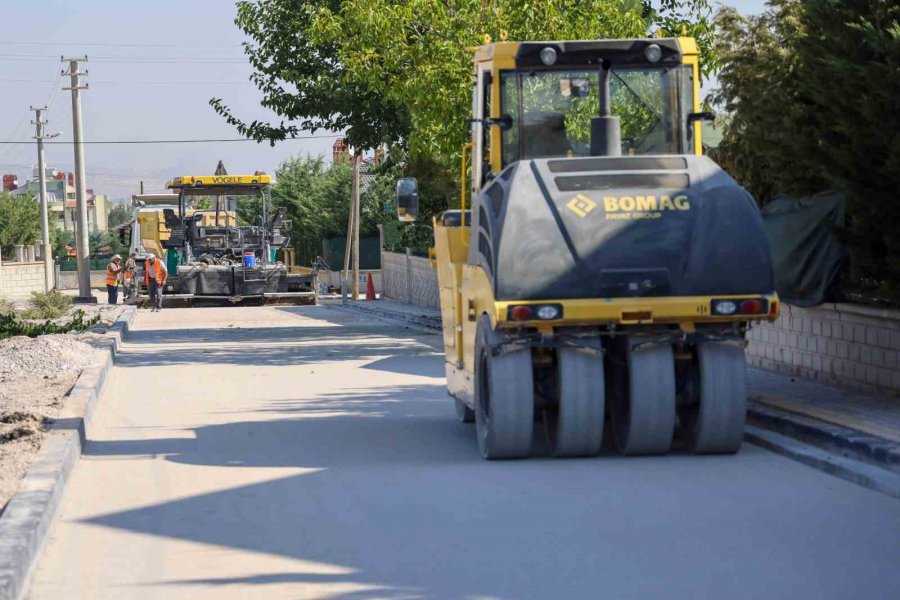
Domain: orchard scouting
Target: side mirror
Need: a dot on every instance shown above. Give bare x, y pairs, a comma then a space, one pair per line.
707, 115
504, 122
407, 199
122, 236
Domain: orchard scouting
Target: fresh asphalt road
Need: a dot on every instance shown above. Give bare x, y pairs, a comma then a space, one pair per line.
312, 452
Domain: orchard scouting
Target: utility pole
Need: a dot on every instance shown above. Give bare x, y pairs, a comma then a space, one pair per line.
355, 287
42, 182
82, 244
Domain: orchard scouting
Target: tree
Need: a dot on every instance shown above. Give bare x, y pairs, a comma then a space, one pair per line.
851, 77
810, 90
20, 221
317, 199
397, 71
59, 239
119, 215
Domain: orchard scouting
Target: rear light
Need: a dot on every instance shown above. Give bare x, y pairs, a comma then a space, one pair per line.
532, 312
520, 313
751, 307
724, 307
740, 306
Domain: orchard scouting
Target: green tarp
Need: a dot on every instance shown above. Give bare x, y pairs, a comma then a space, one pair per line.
805, 254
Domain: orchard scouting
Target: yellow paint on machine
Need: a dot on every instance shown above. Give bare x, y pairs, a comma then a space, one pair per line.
201, 180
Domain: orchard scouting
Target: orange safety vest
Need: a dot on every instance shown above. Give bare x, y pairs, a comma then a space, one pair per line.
159, 273
111, 275
129, 269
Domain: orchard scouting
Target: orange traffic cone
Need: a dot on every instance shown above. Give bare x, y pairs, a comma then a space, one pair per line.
370, 288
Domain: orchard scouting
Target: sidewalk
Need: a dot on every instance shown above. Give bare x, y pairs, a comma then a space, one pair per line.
851, 423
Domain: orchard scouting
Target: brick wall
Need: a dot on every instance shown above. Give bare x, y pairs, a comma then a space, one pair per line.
20, 279
409, 279
835, 343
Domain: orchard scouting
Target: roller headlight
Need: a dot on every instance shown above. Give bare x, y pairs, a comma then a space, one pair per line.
548, 312
724, 307
653, 53
548, 56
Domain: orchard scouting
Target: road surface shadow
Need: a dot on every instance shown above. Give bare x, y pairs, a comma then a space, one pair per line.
392, 496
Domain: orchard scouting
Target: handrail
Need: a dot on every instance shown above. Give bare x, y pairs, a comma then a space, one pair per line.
462, 200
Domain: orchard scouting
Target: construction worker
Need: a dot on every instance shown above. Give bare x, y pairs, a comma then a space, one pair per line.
155, 274
129, 279
112, 279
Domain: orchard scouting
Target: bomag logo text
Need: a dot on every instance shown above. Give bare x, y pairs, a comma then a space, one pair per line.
643, 207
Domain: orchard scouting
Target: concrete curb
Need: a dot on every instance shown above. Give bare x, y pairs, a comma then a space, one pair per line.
422, 322
866, 475
847, 442
26, 521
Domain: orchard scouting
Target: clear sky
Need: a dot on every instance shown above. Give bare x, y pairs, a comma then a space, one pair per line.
153, 68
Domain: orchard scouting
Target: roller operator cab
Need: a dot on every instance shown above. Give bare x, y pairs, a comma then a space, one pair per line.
607, 271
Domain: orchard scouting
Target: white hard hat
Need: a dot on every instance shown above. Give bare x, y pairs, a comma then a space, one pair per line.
117, 257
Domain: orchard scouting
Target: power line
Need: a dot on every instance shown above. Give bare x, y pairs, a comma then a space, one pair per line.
109, 44
142, 82
197, 141
132, 59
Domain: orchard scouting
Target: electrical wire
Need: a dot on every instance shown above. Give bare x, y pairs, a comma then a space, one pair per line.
195, 141
109, 44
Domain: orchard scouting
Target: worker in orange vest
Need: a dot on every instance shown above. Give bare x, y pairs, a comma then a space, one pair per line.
155, 274
112, 279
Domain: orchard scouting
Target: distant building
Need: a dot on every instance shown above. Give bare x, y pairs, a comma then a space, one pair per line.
61, 200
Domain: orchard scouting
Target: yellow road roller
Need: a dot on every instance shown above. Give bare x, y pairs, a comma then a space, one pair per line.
606, 273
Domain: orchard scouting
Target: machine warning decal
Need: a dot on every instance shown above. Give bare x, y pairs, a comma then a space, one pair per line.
643, 207
581, 205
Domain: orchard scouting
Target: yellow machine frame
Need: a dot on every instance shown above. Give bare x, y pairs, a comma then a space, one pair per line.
465, 290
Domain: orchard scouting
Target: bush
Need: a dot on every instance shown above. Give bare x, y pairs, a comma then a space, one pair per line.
49, 305
7, 307
11, 326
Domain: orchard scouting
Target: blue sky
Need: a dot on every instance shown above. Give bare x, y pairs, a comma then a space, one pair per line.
142, 86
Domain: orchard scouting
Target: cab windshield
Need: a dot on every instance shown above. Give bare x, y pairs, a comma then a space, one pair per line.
551, 110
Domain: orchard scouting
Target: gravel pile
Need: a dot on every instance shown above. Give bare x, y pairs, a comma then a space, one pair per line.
22, 357
36, 375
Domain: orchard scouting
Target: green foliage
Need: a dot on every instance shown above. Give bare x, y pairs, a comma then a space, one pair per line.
7, 307
317, 198
47, 305
119, 215
59, 239
20, 221
811, 88
11, 326
397, 71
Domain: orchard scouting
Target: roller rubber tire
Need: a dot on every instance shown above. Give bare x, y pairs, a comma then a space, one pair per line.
643, 406
576, 428
717, 425
463, 412
504, 398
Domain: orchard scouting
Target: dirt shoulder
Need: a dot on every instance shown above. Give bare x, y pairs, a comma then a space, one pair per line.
36, 376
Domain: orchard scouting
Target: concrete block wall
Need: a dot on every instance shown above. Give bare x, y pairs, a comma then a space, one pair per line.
19, 279
845, 344
68, 280
409, 279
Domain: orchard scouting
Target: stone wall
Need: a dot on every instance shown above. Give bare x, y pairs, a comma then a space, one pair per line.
18, 279
409, 279
835, 343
